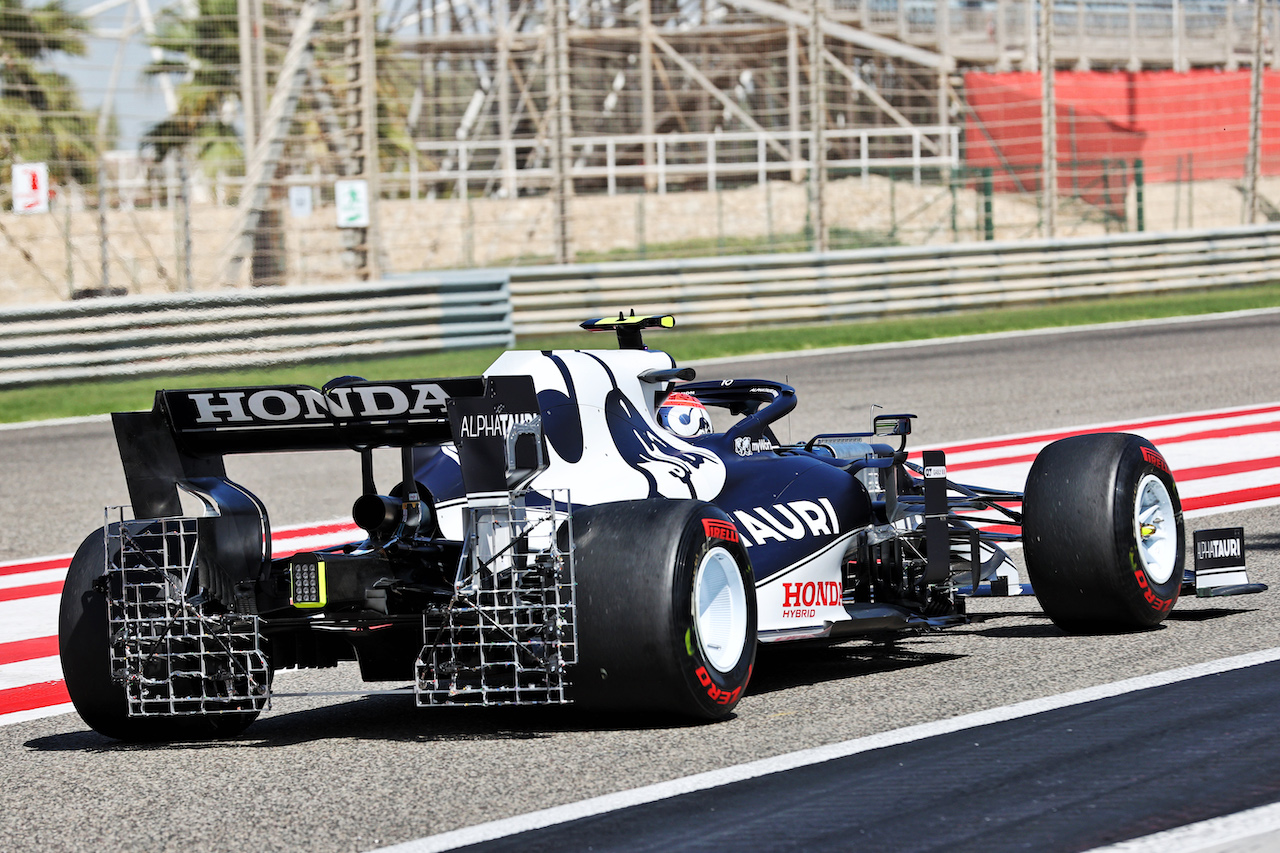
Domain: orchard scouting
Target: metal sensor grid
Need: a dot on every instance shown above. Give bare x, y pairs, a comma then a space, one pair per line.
509, 633
172, 657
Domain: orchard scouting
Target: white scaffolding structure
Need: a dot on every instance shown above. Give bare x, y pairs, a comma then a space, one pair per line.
476, 101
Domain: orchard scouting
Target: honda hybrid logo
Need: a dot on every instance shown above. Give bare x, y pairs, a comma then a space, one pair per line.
282, 405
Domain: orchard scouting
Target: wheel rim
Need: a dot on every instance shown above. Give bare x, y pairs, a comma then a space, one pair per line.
720, 602
1156, 528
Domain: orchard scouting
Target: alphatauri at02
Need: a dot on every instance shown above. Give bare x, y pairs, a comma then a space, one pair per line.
569, 528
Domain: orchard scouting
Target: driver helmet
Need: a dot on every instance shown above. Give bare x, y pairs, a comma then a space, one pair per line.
684, 415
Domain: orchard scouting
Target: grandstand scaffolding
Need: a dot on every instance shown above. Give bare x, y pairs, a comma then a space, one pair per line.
513, 131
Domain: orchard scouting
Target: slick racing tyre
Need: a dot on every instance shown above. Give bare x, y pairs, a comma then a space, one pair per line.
666, 608
1103, 535
84, 647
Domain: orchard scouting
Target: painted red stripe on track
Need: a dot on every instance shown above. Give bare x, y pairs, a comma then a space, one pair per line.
1225, 432
35, 589
1238, 496
32, 696
1128, 427
20, 650
283, 533
990, 463
51, 588
35, 566
1226, 468
319, 530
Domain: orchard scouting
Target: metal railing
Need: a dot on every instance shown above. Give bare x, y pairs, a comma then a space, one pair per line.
470, 165
124, 337
866, 283
704, 157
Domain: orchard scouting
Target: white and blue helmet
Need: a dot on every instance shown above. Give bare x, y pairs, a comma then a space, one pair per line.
684, 415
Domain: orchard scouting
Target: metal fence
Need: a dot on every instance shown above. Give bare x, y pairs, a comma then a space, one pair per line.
190, 146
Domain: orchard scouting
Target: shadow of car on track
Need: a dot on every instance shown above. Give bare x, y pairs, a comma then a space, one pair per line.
1044, 629
1205, 614
1256, 542
394, 718
388, 719
784, 668
1047, 631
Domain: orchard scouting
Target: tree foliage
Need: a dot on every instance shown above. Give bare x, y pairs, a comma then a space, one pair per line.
41, 117
204, 49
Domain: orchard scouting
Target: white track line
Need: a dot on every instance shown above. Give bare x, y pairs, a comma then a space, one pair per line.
1209, 834
728, 775
56, 422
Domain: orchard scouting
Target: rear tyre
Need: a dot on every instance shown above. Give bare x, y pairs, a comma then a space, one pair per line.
84, 648
1103, 533
666, 608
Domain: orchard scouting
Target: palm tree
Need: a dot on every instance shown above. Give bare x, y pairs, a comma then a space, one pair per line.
41, 117
205, 49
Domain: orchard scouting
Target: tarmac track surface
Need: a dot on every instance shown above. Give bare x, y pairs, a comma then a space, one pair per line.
349, 773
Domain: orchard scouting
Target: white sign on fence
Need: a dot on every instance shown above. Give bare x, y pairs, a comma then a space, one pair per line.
352, 200
299, 202
30, 188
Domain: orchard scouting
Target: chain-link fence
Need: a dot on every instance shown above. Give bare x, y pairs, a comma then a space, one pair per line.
228, 143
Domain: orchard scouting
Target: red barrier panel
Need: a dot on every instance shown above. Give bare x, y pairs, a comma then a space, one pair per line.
1182, 125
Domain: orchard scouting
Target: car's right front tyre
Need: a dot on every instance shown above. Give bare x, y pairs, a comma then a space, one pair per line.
1103, 533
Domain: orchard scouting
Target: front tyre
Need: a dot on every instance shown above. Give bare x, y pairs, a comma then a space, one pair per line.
666, 608
1103, 533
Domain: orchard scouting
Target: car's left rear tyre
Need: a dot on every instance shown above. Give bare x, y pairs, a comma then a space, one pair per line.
666, 608
84, 648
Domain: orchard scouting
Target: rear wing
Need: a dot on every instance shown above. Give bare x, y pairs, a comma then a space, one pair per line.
188, 432
179, 446
297, 417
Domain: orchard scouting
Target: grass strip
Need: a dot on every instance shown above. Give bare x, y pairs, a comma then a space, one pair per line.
89, 398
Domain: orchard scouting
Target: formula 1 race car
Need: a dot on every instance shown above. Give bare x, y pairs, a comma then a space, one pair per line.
570, 527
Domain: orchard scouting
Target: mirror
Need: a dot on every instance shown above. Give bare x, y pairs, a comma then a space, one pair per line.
892, 424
